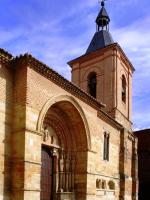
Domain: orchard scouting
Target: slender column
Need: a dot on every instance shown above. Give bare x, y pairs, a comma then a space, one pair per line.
72, 172
55, 171
67, 173
61, 172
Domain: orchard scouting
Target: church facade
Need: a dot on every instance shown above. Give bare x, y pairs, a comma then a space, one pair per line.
62, 140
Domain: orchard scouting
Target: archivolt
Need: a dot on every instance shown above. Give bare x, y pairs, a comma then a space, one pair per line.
71, 100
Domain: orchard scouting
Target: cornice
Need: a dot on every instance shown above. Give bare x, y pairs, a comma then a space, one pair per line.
89, 56
103, 115
5, 57
56, 78
101, 51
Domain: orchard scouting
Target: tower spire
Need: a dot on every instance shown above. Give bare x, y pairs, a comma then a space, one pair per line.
102, 37
102, 19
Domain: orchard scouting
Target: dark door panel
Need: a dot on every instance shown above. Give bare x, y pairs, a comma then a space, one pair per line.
46, 175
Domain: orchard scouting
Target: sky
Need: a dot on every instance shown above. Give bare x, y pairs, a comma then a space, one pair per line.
57, 31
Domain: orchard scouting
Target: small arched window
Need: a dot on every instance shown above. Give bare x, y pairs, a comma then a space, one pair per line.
98, 183
111, 185
124, 85
106, 147
92, 82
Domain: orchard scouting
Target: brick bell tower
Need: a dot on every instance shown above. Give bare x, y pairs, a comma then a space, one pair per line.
105, 72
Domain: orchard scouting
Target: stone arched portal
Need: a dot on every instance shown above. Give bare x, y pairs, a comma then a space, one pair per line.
65, 135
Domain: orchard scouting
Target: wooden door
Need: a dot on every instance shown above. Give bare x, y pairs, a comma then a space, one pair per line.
46, 175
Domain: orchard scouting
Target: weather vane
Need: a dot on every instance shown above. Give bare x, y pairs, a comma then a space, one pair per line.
102, 2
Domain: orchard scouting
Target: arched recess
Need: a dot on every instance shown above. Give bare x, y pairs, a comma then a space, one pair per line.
76, 105
64, 120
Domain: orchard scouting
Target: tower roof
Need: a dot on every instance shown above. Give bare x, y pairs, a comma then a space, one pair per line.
102, 37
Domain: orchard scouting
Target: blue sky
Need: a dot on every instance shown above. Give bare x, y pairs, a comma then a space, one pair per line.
57, 31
